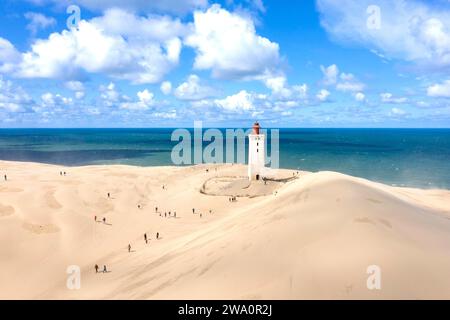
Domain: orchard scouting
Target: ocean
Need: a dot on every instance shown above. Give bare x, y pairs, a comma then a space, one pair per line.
401, 157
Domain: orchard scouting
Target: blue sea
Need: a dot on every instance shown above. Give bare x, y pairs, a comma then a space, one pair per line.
402, 157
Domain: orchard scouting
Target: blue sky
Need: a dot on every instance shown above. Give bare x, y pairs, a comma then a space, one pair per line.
167, 63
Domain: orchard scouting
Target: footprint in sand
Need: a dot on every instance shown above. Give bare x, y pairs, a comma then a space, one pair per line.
304, 195
364, 220
103, 206
51, 201
40, 228
6, 210
386, 223
10, 189
374, 200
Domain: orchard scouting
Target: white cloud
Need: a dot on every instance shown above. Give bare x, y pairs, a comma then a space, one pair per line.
330, 74
323, 95
193, 90
172, 114
359, 96
412, 30
202, 103
282, 92
9, 56
301, 89
389, 98
282, 105
397, 112
13, 98
242, 101
278, 85
227, 44
106, 45
343, 81
144, 102
439, 89
348, 82
74, 85
39, 21
170, 6
154, 27
166, 87
110, 96
79, 95
55, 100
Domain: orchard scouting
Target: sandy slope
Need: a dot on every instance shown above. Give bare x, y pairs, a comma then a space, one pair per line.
315, 238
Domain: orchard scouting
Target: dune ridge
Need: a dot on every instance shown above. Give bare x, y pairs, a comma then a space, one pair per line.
312, 237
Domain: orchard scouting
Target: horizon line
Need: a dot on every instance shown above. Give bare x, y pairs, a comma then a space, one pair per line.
120, 128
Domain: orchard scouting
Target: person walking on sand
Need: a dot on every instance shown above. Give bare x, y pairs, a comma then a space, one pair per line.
129, 247
157, 235
193, 210
96, 268
6, 177
104, 220
156, 209
145, 238
109, 195
104, 269
95, 218
165, 214
174, 214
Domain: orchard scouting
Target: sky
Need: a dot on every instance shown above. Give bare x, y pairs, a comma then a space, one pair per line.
305, 63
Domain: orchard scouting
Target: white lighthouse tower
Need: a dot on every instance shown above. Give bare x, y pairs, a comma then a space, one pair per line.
256, 153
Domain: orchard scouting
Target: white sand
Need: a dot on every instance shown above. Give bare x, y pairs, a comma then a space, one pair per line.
314, 239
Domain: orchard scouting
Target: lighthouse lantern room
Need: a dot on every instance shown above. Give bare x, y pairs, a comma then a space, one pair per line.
256, 153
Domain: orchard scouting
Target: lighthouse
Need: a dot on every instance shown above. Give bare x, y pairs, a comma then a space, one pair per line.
256, 153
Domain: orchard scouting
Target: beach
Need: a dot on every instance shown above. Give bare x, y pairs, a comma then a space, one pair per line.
306, 236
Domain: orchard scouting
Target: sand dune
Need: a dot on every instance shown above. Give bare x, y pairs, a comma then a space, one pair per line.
311, 237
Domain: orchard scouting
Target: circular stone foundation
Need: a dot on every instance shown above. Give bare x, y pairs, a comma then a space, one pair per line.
237, 186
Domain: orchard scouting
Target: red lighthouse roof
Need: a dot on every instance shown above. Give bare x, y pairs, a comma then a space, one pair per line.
256, 128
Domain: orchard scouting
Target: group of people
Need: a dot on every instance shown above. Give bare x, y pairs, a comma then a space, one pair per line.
62, 173
104, 219
105, 270
169, 213
232, 199
97, 268
146, 239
